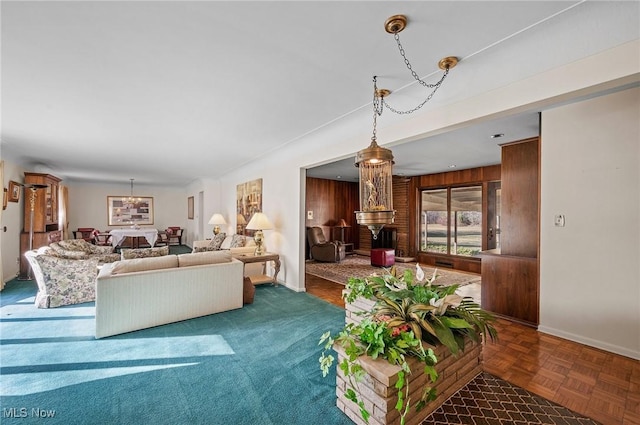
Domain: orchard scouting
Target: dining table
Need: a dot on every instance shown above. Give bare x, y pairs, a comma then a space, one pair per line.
118, 235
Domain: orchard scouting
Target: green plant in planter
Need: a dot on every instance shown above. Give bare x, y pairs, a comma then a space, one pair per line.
407, 312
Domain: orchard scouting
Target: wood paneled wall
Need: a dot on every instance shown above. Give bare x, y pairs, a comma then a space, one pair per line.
331, 200
519, 221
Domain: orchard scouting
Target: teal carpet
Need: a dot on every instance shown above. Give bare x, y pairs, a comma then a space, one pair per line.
256, 365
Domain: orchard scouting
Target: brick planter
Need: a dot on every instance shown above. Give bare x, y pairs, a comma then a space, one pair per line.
377, 388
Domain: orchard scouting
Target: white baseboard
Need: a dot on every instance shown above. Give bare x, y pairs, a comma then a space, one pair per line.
623, 351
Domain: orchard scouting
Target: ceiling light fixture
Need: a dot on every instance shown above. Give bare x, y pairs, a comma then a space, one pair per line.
131, 199
375, 163
497, 135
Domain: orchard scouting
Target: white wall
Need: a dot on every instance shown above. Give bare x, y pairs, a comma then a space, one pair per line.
88, 204
283, 191
12, 218
590, 269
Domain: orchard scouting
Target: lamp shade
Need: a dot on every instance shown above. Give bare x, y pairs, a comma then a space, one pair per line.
343, 223
217, 219
241, 220
259, 221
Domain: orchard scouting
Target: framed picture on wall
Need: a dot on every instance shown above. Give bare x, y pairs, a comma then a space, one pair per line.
190, 207
248, 202
124, 210
14, 191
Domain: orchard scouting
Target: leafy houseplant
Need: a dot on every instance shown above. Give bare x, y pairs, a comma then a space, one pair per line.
408, 315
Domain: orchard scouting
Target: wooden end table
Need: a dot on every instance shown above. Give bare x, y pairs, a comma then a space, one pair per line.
267, 256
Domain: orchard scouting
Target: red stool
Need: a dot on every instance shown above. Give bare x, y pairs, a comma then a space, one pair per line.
383, 257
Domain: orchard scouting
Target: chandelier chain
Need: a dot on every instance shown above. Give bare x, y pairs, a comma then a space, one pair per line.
437, 86
377, 107
434, 86
410, 68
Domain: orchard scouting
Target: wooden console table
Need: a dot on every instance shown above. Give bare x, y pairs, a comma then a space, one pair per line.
267, 256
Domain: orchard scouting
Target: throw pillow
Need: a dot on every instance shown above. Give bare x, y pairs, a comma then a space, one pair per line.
238, 241
217, 241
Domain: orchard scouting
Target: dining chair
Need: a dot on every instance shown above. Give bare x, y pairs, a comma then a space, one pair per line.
102, 238
85, 233
174, 233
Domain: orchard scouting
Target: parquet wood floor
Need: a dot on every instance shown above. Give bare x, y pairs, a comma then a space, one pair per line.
597, 384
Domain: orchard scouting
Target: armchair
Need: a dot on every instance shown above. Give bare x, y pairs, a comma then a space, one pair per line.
321, 249
174, 234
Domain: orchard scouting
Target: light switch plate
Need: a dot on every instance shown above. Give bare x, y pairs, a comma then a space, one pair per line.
558, 220
309, 215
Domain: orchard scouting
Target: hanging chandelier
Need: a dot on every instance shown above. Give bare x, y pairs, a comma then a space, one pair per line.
131, 199
375, 163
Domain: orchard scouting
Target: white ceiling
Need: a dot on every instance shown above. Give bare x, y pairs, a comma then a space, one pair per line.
161, 91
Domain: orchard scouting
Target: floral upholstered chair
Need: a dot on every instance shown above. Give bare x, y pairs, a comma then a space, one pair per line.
62, 281
79, 249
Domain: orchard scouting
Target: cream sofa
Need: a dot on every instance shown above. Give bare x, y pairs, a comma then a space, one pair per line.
145, 292
228, 245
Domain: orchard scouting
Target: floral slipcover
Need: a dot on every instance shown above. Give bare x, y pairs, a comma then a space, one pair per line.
63, 281
128, 254
78, 249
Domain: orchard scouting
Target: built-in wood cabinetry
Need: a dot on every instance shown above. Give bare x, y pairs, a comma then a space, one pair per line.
510, 274
45, 215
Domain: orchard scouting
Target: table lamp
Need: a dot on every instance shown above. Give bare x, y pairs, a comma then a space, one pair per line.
341, 225
259, 222
217, 220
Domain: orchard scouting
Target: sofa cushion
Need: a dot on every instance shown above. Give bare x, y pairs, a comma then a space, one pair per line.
68, 254
107, 258
201, 258
144, 264
100, 249
128, 254
76, 245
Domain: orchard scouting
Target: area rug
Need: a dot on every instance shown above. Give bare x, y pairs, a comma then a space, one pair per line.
490, 400
360, 266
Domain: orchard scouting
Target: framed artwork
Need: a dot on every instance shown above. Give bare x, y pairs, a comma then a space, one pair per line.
4, 198
248, 202
124, 210
14, 191
190, 207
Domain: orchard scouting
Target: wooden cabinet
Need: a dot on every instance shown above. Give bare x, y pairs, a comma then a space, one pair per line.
46, 228
519, 203
510, 284
45, 213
